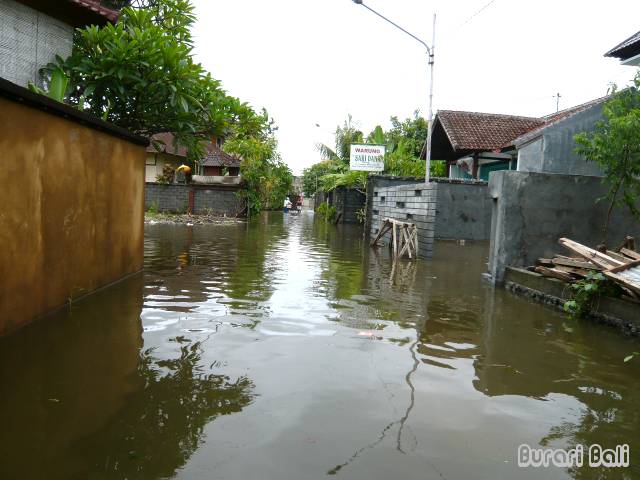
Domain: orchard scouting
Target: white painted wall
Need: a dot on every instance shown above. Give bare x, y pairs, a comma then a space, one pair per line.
29, 40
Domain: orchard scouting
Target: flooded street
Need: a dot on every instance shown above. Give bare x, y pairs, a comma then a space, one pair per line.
287, 349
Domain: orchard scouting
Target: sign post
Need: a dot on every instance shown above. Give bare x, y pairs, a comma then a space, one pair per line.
367, 158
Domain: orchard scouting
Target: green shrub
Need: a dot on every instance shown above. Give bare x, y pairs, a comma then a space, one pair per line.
585, 294
326, 211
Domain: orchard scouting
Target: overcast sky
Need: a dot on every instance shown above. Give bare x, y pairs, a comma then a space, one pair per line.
314, 62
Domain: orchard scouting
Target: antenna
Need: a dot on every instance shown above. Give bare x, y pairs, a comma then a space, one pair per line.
557, 97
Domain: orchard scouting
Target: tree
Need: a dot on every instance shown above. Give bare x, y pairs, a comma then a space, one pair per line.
266, 178
404, 143
615, 146
140, 74
345, 136
311, 177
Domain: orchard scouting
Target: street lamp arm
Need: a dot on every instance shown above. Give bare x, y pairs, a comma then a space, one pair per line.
397, 26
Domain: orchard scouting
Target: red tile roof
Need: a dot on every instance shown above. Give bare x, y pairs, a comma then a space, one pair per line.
483, 131
214, 156
96, 7
218, 158
474, 131
168, 147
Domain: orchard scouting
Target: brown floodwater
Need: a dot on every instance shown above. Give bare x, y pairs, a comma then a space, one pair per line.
287, 349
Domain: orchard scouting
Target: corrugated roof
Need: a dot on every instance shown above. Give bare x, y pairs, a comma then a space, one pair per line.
483, 131
96, 7
622, 50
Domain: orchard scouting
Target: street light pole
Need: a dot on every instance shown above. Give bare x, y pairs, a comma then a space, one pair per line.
430, 57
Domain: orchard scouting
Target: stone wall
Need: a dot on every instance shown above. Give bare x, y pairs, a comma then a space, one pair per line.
174, 198
410, 203
29, 40
531, 211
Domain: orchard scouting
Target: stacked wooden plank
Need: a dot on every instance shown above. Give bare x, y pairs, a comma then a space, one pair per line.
621, 266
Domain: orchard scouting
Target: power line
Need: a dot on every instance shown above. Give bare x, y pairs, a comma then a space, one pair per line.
477, 13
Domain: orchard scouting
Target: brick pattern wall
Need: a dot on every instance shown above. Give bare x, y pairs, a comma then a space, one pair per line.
413, 204
348, 201
29, 40
217, 199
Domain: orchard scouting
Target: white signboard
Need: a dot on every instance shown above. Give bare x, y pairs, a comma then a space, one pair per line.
368, 158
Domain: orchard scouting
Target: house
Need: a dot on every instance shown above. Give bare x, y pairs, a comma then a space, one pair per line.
628, 52
220, 164
33, 32
472, 142
475, 144
550, 147
213, 168
165, 152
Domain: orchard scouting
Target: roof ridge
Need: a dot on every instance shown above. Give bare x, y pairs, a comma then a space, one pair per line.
575, 108
524, 117
97, 7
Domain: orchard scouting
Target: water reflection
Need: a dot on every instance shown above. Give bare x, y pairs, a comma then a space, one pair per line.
286, 348
81, 398
163, 422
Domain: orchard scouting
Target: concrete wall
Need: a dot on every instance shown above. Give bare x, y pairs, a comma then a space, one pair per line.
217, 199
463, 211
553, 151
379, 181
72, 201
531, 211
463, 208
410, 203
348, 201
530, 156
29, 40
155, 164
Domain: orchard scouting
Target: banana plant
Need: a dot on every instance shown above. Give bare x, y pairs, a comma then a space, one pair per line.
58, 84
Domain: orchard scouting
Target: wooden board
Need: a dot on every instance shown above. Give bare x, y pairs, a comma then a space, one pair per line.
594, 256
570, 262
555, 273
578, 272
630, 253
404, 237
617, 256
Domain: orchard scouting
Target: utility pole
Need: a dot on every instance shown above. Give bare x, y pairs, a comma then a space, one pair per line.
430, 60
557, 95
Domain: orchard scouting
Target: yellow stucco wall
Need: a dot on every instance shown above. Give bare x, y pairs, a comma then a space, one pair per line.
71, 211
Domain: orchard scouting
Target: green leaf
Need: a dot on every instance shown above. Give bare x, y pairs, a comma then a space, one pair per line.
58, 84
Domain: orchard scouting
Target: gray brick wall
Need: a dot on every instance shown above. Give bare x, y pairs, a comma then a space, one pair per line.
221, 201
348, 201
29, 40
217, 199
410, 203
